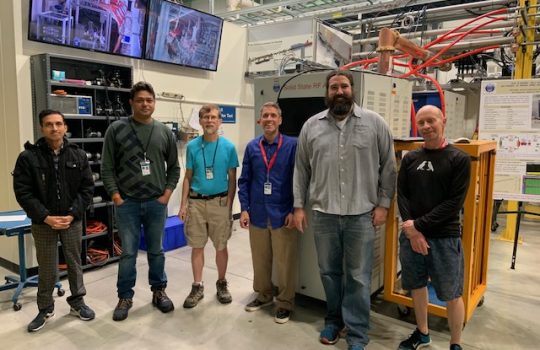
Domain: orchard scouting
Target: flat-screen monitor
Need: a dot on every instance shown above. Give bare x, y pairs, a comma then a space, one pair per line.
181, 35
111, 26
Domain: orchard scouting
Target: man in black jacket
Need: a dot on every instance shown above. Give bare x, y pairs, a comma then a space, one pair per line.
53, 184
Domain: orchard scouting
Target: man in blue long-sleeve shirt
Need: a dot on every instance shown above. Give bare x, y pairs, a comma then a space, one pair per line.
266, 199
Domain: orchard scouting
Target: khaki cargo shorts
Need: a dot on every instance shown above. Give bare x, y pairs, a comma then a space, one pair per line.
208, 218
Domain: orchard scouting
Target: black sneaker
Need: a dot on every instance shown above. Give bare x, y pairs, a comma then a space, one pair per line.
42, 317
162, 301
256, 305
196, 294
223, 294
282, 315
83, 312
455, 347
122, 308
415, 341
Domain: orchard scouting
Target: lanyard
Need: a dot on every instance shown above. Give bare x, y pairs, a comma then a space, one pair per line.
444, 143
270, 164
215, 151
144, 149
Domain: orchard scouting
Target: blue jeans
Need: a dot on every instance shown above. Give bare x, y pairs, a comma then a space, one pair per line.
129, 217
345, 252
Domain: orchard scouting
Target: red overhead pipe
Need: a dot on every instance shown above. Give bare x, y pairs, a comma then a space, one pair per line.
492, 31
442, 37
413, 120
442, 51
439, 89
465, 54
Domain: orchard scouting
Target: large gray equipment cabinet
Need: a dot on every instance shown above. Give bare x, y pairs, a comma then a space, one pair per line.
301, 97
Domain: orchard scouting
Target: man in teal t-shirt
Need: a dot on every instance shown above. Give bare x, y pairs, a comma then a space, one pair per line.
207, 196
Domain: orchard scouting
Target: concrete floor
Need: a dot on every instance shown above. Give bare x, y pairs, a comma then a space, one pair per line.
508, 319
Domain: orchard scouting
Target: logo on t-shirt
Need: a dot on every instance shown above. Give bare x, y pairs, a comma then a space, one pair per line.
426, 166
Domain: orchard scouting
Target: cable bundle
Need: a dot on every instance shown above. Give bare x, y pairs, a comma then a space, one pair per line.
117, 247
95, 226
97, 257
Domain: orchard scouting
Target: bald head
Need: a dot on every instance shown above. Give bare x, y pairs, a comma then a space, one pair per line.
432, 110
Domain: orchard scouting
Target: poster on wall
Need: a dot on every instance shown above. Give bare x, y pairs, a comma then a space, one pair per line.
509, 114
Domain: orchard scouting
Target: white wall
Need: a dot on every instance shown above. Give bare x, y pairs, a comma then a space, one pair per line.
10, 113
226, 86
9, 108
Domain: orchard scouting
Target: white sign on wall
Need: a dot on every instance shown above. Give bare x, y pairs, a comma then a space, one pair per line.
509, 114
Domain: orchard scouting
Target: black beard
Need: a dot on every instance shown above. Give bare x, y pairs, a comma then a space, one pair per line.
339, 105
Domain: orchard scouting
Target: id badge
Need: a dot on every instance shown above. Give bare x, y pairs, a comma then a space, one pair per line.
209, 173
268, 188
145, 167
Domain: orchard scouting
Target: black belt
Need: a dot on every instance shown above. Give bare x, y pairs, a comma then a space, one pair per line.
195, 195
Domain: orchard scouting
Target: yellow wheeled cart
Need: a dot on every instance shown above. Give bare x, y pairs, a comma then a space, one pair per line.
476, 230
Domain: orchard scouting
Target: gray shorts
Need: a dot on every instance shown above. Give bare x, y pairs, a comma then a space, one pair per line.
443, 266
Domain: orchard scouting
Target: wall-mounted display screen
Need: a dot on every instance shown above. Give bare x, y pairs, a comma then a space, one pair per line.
181, 35
111, 26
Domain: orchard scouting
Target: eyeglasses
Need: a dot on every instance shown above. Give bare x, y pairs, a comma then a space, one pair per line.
210, 117
142, 100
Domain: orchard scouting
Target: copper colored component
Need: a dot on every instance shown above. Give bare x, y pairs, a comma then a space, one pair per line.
407, 46
385, 57
389, 41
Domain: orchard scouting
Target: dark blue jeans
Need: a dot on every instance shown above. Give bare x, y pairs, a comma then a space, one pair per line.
345, 252
129, 217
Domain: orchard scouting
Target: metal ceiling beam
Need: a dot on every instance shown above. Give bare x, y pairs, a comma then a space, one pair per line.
294, 8
385, 7
502, 25
436, 13
348, 11
258, 8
